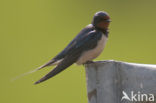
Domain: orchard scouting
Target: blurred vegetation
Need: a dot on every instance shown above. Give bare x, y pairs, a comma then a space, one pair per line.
33, 31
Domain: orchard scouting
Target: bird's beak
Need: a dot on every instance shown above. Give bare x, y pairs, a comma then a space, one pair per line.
108, 20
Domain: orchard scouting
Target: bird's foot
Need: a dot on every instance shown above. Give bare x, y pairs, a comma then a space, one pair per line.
88, 62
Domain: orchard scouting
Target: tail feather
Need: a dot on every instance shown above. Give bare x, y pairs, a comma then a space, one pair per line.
51, 62
55, 71
63, 64
50, 74
60, 67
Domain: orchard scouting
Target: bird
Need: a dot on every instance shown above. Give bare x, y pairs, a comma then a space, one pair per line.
86, 46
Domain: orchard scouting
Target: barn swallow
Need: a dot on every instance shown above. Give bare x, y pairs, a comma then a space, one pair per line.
86, 46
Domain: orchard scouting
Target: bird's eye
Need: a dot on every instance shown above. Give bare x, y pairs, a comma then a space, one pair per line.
101, 19
106, 18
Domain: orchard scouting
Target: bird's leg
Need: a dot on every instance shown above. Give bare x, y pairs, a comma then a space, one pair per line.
88, 62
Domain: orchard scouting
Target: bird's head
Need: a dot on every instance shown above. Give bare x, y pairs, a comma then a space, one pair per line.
101, 20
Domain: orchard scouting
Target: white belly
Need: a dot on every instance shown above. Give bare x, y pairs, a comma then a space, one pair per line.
92, 54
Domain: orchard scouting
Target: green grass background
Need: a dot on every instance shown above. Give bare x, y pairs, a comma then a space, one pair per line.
34, 31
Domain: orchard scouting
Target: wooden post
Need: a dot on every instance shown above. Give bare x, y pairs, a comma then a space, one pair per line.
111, 81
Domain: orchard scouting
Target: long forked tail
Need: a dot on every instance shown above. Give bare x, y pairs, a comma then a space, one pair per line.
51, 62
62, 66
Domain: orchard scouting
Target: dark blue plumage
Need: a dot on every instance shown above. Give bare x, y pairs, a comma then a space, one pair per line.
87, 40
